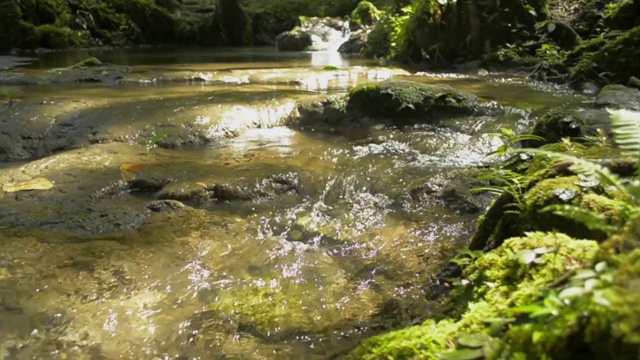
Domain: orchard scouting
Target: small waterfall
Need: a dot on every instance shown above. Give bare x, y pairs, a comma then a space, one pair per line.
327, 34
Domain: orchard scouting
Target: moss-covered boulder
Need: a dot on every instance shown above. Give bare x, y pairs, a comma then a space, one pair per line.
293, 40
365, 14
493, 283
410, 100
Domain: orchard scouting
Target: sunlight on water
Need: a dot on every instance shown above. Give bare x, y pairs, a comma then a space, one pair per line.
255, 241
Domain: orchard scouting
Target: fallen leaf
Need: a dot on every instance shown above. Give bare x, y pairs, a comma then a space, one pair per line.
33, 184
132, 167
128, 171
127, 175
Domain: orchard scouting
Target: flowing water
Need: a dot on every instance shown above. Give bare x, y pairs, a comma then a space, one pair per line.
311, 243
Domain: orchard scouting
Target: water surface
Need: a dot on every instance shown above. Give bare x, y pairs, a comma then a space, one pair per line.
337, 252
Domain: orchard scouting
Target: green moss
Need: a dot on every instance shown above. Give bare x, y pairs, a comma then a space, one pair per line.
496, 281
562, 190
555, 125
405, 99
88, 62
616, 56
311, 302
365, 13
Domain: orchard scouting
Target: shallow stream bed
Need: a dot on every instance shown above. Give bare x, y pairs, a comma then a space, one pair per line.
246, 237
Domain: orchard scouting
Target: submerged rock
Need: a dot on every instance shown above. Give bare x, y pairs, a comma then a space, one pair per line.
89, 70
453, 191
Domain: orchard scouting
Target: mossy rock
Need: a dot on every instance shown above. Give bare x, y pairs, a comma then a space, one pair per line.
402, 100
574, 124
270, 306
495, 282
616, 58
88, 62
365, 14
619, 97
293, 40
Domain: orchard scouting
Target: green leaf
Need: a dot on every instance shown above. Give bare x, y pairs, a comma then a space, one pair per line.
601, 266
474, 340
600, 299
543, 250
526, 309
464, 354
591, 284
537, 336
625, 125
543, 312
571, 292
524, 257
588, 218
583, 274
551, 27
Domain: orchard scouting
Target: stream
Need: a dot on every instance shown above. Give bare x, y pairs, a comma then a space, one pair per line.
245, 236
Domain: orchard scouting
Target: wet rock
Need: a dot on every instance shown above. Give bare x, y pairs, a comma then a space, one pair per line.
182, 191
148, 184
227, 192
403, 100
355, 44
275, 185
89, 70
453, 191
293, 40
561, 123
634, 82
166, 205
590, 88
619, 97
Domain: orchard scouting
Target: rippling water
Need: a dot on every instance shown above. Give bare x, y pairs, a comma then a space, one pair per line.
88, 272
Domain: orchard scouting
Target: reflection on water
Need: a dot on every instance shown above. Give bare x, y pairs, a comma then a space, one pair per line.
311, 242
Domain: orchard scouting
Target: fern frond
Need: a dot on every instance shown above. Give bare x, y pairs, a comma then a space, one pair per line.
588, 218
586, 168
625, 125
